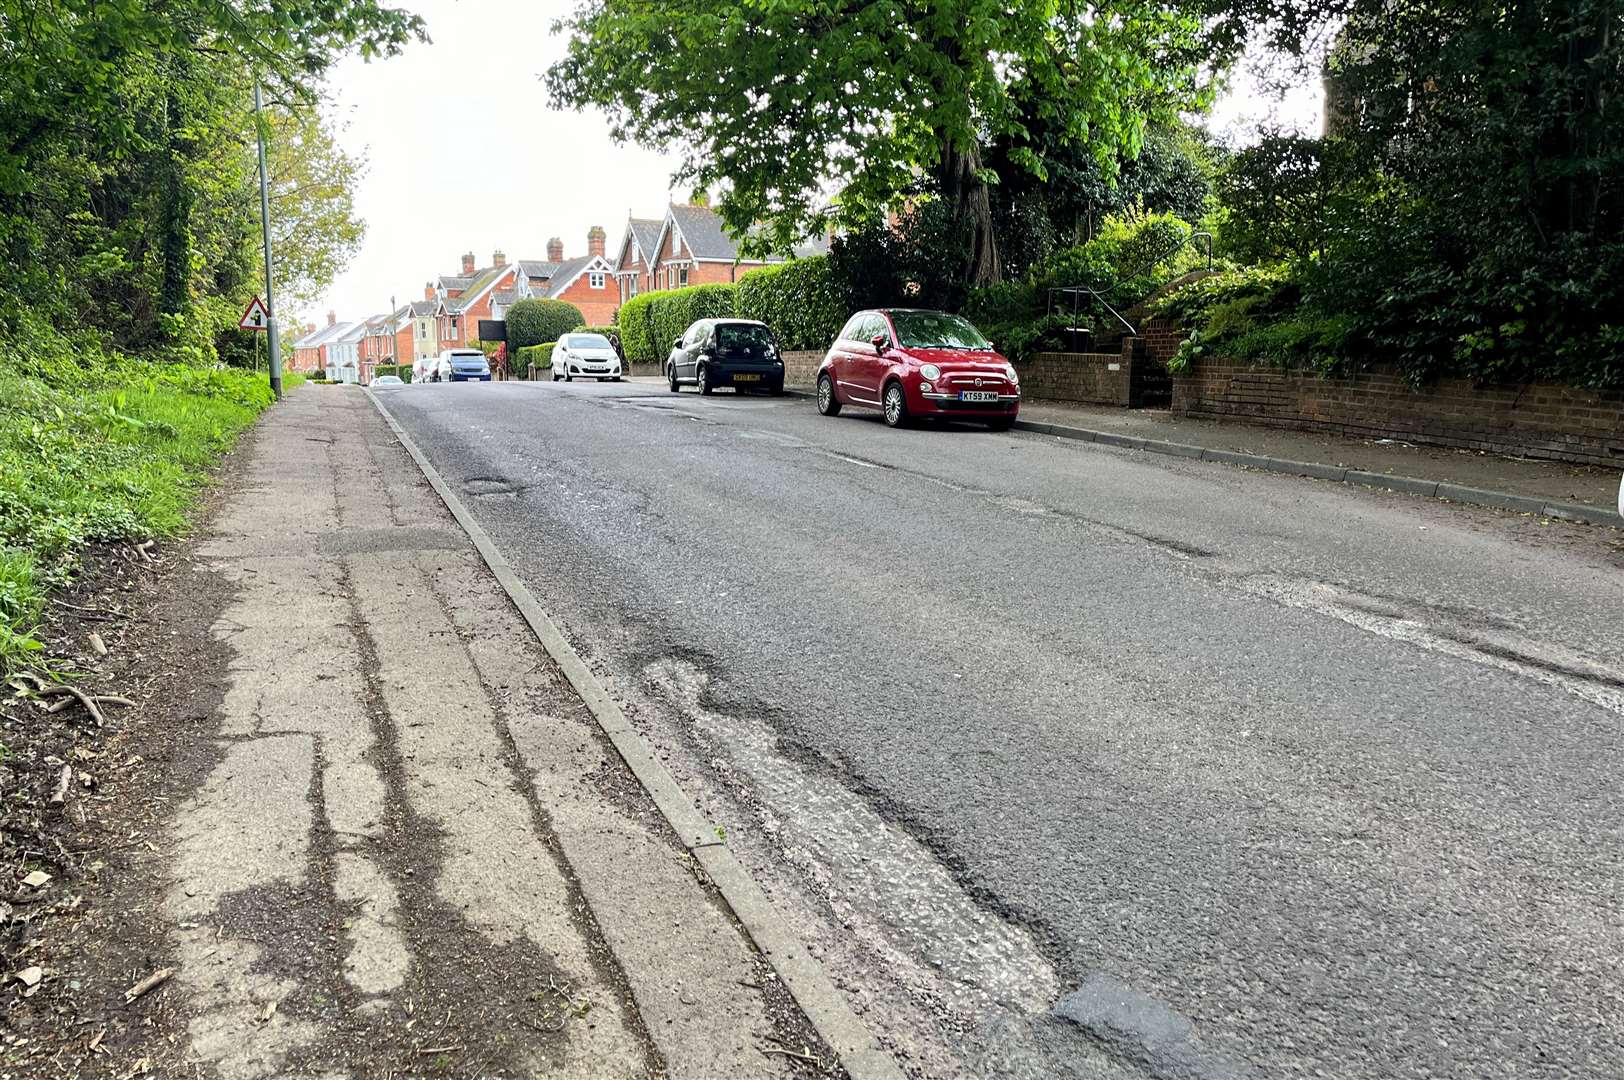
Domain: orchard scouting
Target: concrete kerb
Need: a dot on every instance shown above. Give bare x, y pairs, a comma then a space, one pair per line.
1500, 500
825, 1007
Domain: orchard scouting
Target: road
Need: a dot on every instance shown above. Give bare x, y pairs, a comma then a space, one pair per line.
1074, 761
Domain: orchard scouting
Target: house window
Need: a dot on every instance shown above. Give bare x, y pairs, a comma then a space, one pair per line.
676, 243
682, 275
595, 279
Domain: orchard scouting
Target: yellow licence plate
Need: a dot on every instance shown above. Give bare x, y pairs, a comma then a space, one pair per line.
747, 378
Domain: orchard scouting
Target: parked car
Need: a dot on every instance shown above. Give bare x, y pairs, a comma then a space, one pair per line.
740, 353
463, 365
423, 369
912, 363
590, 356
388, 380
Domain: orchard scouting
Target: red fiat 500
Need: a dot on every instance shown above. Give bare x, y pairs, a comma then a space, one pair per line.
910, 363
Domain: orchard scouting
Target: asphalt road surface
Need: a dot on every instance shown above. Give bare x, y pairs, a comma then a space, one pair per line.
1071, 761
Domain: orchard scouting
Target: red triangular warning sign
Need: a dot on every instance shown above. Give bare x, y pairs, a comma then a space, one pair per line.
256, 317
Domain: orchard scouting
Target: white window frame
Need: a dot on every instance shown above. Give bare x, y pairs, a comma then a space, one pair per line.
594, 279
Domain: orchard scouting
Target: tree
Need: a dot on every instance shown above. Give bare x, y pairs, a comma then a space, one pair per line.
315, 232
803, 112
534, 321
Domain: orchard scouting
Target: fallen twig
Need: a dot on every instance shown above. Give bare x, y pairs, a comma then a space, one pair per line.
60, 795
148, 984
83, 698
144, 547
442, 1049
789, 1053
96, 613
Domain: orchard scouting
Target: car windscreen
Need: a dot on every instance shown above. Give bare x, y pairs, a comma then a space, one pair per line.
587, 341
936, 330
743, 339
467, 358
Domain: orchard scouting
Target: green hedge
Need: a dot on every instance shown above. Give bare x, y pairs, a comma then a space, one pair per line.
801, 301
532, 321
637, 330
527, 357
675, 310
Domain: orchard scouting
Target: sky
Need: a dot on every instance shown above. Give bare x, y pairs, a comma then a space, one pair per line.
463, 153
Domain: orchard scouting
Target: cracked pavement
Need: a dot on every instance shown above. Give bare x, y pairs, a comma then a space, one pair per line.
411, 851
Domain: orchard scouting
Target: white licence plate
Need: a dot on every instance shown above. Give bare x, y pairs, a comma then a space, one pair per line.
978, 395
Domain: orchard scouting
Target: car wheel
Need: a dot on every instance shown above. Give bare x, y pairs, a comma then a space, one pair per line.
705, 386
671, 377
896, 405
776, 389
828, 404
568, 377
555, 374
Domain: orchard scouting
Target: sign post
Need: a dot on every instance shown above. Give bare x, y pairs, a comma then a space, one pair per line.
265, 225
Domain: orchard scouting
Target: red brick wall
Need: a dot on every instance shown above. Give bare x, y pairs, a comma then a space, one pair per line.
598, 305
1540, 420
1096, 378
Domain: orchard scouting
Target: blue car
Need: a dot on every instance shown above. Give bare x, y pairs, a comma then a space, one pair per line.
461, 365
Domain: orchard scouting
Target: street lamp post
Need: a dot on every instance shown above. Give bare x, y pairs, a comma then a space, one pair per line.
265, 224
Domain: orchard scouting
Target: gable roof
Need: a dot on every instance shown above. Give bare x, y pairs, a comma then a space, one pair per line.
478, 285
422, 307
706, 239
353, 332
540, 268
646, 231
321, 336
509, 297
570, 269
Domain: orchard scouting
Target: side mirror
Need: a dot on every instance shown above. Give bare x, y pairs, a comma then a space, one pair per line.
880, 342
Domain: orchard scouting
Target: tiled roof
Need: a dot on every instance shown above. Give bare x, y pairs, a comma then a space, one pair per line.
475, 286
454, 281
422, 307
702, 232
706, 238
646, 231
321, 336
568, 271
534, 268
353, 332
509, 297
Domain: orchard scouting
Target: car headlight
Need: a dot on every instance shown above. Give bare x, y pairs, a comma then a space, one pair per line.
1014, 377
931, 372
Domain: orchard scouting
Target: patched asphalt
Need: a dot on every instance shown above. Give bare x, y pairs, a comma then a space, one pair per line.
1308, 779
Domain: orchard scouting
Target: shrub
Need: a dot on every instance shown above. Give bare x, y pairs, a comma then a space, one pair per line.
801, 301
674, 310
527, 358
532, 321
637, 339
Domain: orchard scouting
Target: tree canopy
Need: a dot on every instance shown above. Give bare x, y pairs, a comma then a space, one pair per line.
803, 112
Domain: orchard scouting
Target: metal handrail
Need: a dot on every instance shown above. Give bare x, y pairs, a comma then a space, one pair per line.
1077, 290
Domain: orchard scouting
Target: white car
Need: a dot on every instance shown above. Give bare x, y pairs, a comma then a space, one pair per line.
589, 356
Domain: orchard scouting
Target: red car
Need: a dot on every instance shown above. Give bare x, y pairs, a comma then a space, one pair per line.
910, 363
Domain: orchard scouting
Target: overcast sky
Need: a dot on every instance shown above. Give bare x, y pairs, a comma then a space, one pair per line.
464, 153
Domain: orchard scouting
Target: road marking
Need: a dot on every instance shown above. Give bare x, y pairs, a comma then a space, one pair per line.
824, 1005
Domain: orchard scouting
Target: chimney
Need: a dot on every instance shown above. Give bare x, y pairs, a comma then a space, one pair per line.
428, 290
468, 263
332, 318
555, 250
498, 258
595, 237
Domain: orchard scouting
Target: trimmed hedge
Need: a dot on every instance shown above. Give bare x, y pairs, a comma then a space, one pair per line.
801, 301
527, 357
403, 371
532, 321
675, 310
637, 330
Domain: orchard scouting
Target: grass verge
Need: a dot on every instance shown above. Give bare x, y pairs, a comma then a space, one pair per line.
110, 453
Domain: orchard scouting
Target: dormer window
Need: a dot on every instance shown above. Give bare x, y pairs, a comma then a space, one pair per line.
595, 279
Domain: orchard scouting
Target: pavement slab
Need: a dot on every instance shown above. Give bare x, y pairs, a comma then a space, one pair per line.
409, 847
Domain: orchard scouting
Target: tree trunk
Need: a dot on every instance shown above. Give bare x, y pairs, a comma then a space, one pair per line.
966, 193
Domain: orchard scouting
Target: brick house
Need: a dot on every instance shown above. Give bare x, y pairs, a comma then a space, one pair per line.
462, 300
691, 248
635, 256
586, 280
388, 340
311, 352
